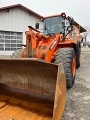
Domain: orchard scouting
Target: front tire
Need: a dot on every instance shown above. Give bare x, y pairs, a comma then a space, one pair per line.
67, 57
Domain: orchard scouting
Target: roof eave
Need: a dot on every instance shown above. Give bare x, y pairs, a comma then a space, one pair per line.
19, 5
81, 28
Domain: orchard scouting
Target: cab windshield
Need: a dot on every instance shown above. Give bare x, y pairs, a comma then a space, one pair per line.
54, 25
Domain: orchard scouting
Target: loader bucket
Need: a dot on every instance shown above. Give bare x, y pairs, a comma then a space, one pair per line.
31, 90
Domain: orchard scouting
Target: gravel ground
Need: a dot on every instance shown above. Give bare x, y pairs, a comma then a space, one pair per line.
78, 97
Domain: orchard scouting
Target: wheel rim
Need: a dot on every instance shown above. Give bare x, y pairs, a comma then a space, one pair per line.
73, 67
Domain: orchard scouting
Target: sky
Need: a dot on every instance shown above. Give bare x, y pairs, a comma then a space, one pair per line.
78, 9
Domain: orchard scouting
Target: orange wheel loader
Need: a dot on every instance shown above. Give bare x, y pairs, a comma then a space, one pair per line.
33, 81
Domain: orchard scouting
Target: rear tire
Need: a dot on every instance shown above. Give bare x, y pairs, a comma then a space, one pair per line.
17, 53
78, 56
67, 57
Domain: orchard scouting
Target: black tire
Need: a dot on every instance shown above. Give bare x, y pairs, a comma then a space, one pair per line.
17, 53
66, 56
78, 56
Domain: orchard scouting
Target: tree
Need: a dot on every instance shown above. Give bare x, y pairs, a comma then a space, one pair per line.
87, 33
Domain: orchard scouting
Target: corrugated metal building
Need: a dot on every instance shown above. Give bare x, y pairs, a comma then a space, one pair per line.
14, 21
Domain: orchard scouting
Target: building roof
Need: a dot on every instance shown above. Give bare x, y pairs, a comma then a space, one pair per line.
19, 5
36, 14
82, 29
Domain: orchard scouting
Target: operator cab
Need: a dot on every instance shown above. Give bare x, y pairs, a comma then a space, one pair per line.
58, 24
54, 25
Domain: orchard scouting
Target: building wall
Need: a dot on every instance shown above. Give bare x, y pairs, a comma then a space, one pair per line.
17, 20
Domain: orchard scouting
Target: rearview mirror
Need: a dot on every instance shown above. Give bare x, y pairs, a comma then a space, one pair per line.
37, 26
71, 20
